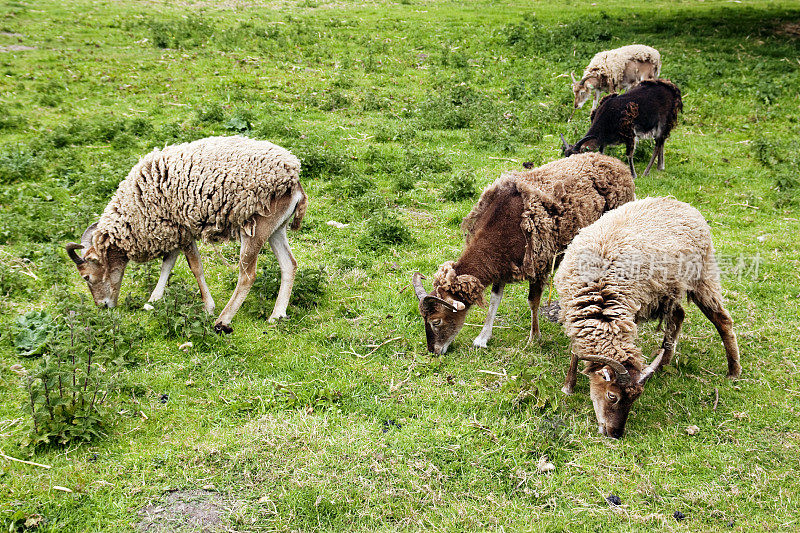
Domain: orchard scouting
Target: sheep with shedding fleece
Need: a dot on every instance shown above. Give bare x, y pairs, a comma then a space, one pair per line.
616, 70
217, 188
636, 263
515, 232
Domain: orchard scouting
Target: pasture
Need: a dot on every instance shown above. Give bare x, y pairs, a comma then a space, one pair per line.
339, 418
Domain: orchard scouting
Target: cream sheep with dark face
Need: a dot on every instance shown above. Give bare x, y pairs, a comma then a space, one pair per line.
637, 262
216, 188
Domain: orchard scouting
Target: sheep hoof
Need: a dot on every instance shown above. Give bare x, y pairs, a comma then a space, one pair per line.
274, 319
223, 328
480, 343
566, 389
148, 307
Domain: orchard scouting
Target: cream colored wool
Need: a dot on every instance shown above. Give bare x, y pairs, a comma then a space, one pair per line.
630, 265
210, 188
610, 65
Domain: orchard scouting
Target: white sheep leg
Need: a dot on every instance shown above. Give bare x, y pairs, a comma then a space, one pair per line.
494, 302
196, 265
280, 247
166, 267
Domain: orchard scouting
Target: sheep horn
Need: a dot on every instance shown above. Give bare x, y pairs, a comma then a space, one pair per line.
419, 289
435, 299
566, 145
71, 247
648, 372
572, 75
623, 377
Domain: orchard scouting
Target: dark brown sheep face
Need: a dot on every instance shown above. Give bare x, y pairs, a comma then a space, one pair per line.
443, 321
103, 277
612, 402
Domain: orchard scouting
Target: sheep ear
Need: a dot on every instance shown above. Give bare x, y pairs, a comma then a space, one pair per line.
458, 306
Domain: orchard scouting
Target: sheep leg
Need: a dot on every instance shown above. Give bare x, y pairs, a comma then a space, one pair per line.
672, 329
660, 156
280, 247
650, 164
166, 267
722, 320
534, 297
572, 374
630, 148
494, 302
196, 265
248, 257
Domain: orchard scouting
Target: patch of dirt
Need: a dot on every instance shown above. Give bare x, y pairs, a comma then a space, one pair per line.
16, 48
184, 511
791, 29
550, 312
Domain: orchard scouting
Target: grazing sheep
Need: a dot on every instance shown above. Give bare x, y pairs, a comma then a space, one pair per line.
649, 110
616, 70
515, 232
216, 188
636, 263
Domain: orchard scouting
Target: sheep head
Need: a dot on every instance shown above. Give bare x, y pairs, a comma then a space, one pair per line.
582, 89
580, 146
443, 314
613, 387
102, 270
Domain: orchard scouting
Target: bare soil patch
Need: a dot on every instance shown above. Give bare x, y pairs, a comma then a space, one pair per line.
183, 511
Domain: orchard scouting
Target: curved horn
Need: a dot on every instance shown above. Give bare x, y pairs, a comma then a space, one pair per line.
623, 377
648, 372
566, 145
435, 299
419, 289
71, 247
572, 75
86, 238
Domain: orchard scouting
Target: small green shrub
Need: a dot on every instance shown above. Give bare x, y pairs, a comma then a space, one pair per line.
211, 114
353, 186
461, 186
34, 330
19, 163
384, 229
425, 161
67, 394
188, 32
240, 121
180, 314
320, 161
452, 108
404, 181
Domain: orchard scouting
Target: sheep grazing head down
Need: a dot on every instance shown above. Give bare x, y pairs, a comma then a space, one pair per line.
588, 143
582, 90
102, 271
613, 387
443, 310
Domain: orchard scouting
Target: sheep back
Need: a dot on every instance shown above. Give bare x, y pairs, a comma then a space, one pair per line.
210, 188
630, 265
609, 65
559, 198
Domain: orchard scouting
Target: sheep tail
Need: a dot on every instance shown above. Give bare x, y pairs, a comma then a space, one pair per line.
300, 210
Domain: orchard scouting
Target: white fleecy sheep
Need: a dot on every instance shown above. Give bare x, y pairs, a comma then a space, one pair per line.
216, 188
616, 70
636, 263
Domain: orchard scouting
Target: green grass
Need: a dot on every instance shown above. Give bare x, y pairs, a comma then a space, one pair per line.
339, 418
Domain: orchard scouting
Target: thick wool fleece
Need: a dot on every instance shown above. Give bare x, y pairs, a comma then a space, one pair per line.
467, 289
609, 65
633, 264
210, 188
560, 198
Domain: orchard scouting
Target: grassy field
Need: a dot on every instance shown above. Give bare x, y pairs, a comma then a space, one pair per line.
338, 418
